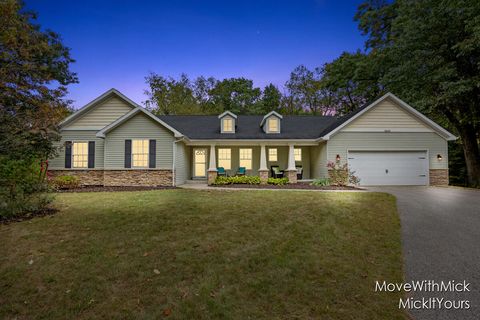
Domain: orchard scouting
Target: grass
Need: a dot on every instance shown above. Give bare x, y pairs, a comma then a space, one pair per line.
186, 254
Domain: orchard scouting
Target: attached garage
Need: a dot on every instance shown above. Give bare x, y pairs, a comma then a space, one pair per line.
377, 168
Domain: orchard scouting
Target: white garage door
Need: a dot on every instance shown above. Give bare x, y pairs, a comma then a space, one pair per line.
375, 168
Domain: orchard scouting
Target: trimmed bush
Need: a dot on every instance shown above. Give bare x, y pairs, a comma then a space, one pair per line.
322, 182
237, 180
65, 182
277, 181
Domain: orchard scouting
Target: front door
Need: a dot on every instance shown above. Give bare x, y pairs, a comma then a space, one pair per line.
199, 163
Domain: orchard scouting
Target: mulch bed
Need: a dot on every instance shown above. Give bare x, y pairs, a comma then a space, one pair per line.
303, 186
111, 189
28, 216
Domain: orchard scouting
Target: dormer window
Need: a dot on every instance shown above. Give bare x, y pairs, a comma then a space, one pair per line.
227, 122
271, 122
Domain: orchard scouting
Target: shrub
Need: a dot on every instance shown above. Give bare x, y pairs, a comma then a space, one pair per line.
65, 182
322, 182
237, 180
277, 181
22, 187
340, 175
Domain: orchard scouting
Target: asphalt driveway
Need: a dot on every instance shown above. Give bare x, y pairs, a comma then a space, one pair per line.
441, 241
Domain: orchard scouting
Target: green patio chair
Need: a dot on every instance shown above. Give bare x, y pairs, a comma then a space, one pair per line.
276, 172
241, 171
221, 171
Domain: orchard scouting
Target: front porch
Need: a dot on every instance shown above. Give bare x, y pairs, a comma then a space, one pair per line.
292, 161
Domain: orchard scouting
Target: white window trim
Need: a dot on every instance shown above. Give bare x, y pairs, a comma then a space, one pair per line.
72, 158
276, 155
229, 160
223, 124
273, 118
148, 154
249, 159
295, 154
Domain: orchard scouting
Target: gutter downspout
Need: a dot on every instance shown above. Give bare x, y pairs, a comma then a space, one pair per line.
174, 144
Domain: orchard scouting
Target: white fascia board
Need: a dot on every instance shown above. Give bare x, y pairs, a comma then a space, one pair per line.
122, 119
231, 114
444, 133
94, 102
253, 142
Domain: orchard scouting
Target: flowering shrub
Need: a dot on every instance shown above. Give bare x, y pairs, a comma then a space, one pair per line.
340, 175
237, 180
277, 181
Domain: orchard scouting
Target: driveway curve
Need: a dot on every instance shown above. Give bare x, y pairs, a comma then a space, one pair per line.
441, 242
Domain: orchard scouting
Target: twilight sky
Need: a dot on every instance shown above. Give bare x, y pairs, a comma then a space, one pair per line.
117, 43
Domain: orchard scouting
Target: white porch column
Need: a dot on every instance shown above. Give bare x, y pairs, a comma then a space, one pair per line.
263, 170
291, 158
212, 169
263, 159
213, 159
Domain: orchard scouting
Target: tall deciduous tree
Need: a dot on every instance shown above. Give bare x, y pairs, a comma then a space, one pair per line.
271, 99
34, 73
237, 95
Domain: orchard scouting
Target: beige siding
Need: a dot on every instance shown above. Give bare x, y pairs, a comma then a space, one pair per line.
101, 115
59, 161
318, 159
182, 163
387, 116
138, 127
378, 141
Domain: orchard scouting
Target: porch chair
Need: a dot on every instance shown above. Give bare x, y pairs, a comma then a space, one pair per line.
241, 171
299, 172
276, 173
221, 171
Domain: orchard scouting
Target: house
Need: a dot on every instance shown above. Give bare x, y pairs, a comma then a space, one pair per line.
113, 141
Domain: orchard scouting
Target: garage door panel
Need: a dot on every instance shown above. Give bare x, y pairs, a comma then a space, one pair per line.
389, 168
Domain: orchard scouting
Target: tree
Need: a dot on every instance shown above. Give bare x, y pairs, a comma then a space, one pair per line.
271, 99
168, 96
34, 73
428, 53
236, 95
201, 91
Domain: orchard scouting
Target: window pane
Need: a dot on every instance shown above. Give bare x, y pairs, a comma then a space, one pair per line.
272, 125
80, 154
272, 154
224, 158
228, 125
246, 158
140, 153
298, 154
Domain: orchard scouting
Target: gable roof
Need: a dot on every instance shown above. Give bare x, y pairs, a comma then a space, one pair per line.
231, 114
92, 104
271, 113
122, 119
348, 118
208, 127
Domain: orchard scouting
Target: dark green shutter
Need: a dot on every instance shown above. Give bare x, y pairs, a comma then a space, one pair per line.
91, 154
68, 154
152, 154
128, 153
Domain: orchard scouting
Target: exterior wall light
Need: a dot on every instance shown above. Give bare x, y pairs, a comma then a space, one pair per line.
439, 157
337, 157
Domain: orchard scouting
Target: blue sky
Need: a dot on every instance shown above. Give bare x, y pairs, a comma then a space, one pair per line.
117, 43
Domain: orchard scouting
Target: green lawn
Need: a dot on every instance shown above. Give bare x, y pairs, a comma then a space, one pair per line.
186, 254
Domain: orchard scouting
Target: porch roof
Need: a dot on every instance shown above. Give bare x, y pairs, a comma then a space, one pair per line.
248, 127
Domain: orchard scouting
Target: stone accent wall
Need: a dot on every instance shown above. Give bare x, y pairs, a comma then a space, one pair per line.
138, 177
438, 177
291, 175
211, 176
86, 177
263, 174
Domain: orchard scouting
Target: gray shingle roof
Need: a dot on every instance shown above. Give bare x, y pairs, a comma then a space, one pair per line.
248, 127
